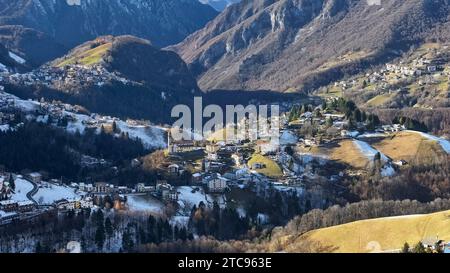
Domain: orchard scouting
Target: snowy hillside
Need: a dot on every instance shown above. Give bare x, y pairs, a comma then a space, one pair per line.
151, 136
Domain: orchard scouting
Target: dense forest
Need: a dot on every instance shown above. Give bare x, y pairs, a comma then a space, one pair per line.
40, 147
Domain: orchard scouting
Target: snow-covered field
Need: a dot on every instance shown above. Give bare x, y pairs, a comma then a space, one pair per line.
26, 105
368, 151
49, 193
445, 144
187, 198
151, 136
22, 188
144, 203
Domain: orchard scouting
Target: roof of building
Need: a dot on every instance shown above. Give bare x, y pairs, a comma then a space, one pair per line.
7, 202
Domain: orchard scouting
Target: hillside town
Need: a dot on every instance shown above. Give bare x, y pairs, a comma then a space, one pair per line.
214, 166
66, 77
427, 68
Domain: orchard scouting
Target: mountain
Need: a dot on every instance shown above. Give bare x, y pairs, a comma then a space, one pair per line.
134, 59
72, 22
219, 5
293, 45
33, 46
124, 76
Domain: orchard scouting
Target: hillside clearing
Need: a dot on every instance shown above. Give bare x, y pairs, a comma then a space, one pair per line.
409, 146
89, 57
272, 169
378, 235
349, 153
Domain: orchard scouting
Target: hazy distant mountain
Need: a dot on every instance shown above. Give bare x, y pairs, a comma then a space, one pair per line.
219, 5
72, 22
290, 45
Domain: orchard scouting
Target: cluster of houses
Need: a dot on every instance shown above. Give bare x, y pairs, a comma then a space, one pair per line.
70, 75
74, 204
11, 210
427, 70
435, 245
162, 190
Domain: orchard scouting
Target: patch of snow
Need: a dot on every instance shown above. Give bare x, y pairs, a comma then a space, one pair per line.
4, 128
49, 193
22, 188
263, 218
190, 198
16, 58
241, 211
73, 2
144, 204
404, 216
77, 125
445, 144
353, 134
368, 151
151, 136
387, 170
3, 68
270, 147
26, 105
369, 135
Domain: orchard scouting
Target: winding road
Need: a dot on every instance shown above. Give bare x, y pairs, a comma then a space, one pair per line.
31, 193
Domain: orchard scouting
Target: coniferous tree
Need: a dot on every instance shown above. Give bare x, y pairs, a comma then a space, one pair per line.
108, 227
419, 248
11, 182
405, 248
100, 237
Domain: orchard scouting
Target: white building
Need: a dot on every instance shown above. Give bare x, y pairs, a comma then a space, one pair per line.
217, 184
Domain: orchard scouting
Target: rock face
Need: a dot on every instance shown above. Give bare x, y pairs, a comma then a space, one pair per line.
72, 22
291, 45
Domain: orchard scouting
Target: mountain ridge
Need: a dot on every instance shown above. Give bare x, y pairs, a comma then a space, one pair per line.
73, 22
282, 45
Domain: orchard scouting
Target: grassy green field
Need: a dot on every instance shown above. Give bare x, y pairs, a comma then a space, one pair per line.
272, 169
89, 57
379, 100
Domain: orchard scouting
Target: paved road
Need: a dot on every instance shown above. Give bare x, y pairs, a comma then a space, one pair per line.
31, 193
